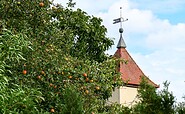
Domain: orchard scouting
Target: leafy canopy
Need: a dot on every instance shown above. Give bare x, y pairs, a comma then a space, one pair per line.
75, 32
52, 59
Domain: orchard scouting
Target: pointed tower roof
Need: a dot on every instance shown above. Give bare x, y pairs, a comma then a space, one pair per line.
130, 71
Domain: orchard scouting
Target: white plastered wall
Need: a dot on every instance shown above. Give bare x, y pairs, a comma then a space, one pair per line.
124, 95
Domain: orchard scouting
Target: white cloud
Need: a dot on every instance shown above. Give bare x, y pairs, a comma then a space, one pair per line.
171, 37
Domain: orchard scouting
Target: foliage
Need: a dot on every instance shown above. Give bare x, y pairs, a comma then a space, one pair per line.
87, 34
74, 32
115, 108
73, 101
17, 98
152, 102
180, 107
167, 99
38, 61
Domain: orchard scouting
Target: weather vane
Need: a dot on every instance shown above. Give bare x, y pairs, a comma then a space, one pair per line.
120, 20
121, 43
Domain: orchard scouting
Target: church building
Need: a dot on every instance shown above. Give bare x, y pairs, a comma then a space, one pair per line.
130, 73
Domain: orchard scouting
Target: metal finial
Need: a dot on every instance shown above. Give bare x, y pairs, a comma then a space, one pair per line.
121, 30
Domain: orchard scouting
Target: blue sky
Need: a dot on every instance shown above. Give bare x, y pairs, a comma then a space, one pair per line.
173, 10
154, 35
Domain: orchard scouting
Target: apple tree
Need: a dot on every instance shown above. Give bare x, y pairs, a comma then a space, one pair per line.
53, 58
75, 32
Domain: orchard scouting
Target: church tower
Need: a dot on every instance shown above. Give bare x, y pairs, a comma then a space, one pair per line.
130, 73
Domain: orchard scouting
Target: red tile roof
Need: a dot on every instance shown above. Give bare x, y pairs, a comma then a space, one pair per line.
130, 72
